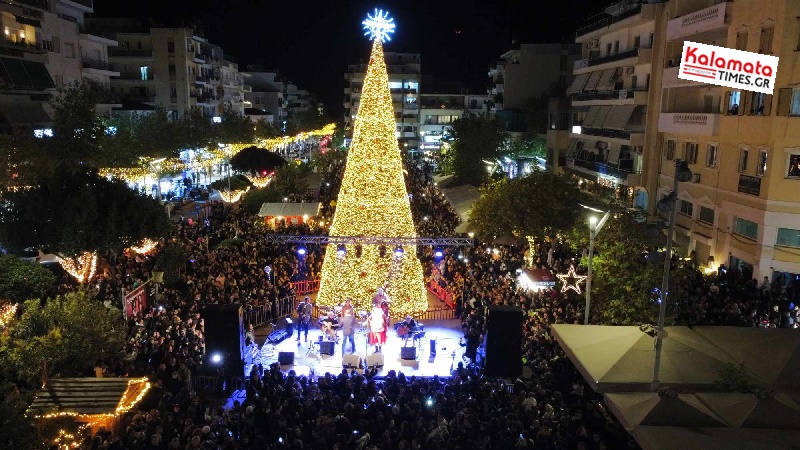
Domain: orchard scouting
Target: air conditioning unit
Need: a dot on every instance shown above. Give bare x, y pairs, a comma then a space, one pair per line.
695, 178
629, 70
593, 44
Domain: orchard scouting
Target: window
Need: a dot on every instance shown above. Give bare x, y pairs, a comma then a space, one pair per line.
608, 48
794, 109
170, 47
761, 169
637, 41
741, 41
788, 102
670, 146
743, 154
745, 228
734, 97
139, 45
616, 47
686, 208
69, 50
562, 63
652, 39
711, 155
634, 81
761, 104
793, 169
172, 69
788, 237
690, 153
143, 70
765, 45
706, 215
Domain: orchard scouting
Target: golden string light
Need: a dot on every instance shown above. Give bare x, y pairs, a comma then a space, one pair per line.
125, 403
373, 201
7, 313
82, 267
259, 182
147, 246
571, 275
233, 196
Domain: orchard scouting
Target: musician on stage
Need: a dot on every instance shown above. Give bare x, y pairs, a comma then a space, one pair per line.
304, 309
376, 321
406, 329
329, 325
348, 323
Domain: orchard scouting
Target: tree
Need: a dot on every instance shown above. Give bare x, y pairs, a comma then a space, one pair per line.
75, 212
475, 139
171, 259
540, 204
256, 160
71, 333
195, 131
265, 130
236, 183
16, 430
234, 128
289, 180
22, 280
78, 133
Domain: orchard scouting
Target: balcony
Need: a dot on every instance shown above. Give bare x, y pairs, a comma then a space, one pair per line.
706, 20
621, 97
89, 4
606, 20
670, 79
88, 63
129, 53
246, 88
134, 76
607, 170
19, 48
703, 124
638, 55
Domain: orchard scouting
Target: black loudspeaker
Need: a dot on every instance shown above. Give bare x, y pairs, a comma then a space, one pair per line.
286, 358
326, 347
433, 347
224, 334
285, 324
408, 352
504, 342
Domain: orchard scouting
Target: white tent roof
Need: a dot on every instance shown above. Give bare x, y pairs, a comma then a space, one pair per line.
289, 209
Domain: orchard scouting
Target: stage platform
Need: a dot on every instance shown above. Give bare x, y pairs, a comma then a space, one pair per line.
446, 333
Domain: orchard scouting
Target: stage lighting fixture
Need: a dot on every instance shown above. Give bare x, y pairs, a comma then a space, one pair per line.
216, 358
341, 250
398, 251
301, 251
438, 253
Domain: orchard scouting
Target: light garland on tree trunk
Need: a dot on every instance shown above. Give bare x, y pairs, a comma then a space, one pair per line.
82, 267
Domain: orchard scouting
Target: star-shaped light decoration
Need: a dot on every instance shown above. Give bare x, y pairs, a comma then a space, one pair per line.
379, 26
575, 286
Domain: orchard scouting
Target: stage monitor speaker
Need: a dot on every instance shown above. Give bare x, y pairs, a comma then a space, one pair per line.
326, 347
504, 342
286, 358
375, 359
433, 347
285, 324
408, 352
351, 362
224, 335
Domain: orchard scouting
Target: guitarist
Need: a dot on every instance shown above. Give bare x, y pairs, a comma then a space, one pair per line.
304, 309
329, 325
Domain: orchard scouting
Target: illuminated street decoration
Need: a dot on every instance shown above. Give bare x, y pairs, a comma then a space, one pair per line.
379, 27
82, 267
571, 275
145, 247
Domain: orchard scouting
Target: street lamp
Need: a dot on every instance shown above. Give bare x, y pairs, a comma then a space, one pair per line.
667, 204
594, 228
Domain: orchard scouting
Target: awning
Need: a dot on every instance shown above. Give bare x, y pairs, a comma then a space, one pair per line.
619, 116
591, 85
289, 209
590, 115
577, 84
600, 118
24, 113
22, 20
613, 154
87, 396
20, 74
607, 79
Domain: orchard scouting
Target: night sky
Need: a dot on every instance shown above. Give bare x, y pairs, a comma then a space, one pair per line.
311, 42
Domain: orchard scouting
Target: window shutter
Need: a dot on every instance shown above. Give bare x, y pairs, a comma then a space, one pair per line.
727, 103
744, 102
767, 104
784, 102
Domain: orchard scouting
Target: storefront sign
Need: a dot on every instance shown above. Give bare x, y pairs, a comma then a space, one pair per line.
728, 67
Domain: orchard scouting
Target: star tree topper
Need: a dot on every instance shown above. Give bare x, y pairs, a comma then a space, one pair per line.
575, 286
379, 26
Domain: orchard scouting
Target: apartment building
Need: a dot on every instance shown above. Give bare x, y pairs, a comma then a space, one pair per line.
614, 144
525, 72
44, 47
742, 208
437, 112
404, 81
175, 67
265, 92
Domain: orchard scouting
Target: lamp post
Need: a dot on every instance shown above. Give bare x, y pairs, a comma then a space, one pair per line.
594, 228
667, 204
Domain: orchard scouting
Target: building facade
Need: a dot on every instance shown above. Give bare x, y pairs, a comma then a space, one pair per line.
437, 112
742, 208
614, 144
405, 71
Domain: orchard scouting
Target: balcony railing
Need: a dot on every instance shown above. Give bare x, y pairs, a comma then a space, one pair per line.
706, 19
589, 62
625, 167
20, 47
633, 10
41, 4
118, 51
605, 132
86, 3
704, 124
95, 64
623, 94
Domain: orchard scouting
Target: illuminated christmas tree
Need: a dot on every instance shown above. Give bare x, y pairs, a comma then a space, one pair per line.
373, 202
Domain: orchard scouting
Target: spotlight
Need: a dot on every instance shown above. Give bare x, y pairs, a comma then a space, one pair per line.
341, 250
301, 251
216, 358
358, 251
438, 253
382, 251
429, 402
398, 251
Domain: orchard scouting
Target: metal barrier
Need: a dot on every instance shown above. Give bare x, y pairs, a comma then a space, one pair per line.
437, 314
441, 293
305, 286
264, 314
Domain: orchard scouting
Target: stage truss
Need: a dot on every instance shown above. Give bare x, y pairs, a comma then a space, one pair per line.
369, 240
